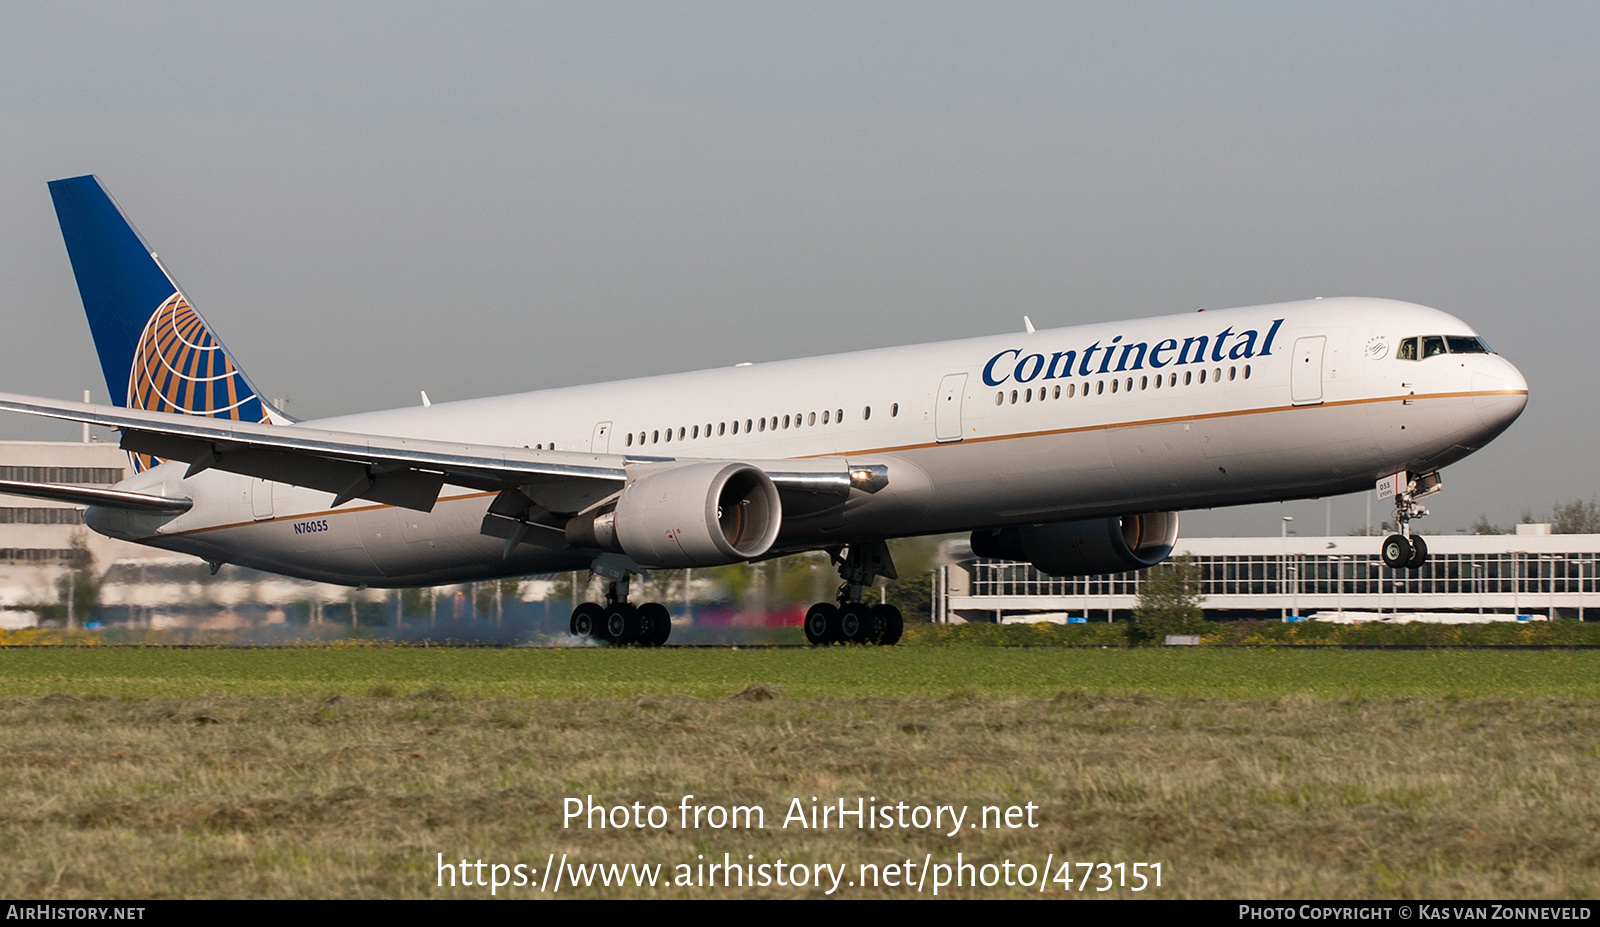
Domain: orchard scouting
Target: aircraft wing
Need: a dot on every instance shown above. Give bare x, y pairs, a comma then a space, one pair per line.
406, 472
398, 471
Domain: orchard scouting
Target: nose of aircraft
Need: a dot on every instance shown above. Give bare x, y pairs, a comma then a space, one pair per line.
1499, 393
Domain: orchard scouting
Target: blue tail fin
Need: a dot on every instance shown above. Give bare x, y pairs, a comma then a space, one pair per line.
156, 351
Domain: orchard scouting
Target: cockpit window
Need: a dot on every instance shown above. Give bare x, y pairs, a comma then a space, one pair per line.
1434, 345
1465, 344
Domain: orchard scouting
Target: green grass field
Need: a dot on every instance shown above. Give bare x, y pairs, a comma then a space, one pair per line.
539, 673
149, 773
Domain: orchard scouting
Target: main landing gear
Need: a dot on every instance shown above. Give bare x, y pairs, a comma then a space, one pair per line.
1405, 551
853, 621
619, 622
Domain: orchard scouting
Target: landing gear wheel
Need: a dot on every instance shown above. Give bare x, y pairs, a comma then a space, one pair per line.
1419, 554
857, 624
586, 620
822, 623
655, 623
890, 625
1396, 552
622, 623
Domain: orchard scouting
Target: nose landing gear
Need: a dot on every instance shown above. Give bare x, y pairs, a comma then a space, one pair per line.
1404, 551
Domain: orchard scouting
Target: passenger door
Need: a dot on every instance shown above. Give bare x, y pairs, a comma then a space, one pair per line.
1305, 376
947, 411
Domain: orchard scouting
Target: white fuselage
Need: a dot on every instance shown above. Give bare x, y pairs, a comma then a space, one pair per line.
1002, 430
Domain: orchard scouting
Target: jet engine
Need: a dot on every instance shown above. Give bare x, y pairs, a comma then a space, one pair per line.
686, 515
1086, 547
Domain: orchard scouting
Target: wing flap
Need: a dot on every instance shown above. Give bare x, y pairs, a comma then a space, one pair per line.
346, 479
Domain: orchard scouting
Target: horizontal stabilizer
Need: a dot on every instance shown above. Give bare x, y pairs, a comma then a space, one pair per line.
108, 498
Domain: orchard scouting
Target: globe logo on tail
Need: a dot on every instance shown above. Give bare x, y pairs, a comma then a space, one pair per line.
180, 367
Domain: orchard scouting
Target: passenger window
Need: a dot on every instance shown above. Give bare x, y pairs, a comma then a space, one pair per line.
811, 419
1057, 393
1100, 387
669, 435
1144, 383
1247, 371
655, 437
722, 428
999, 398
1432, 345
838, 416
681, 432
866, 411
748, 424
630, 439
1233, 372
1128, 386
1202, 376
785, 423
1188, 377
894, 410
763, 425
825, 412
1408, 350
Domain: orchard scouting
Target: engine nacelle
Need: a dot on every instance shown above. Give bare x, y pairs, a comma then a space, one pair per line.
1087, 547
687, 515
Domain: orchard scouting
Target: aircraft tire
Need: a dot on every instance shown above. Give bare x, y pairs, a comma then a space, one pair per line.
890, 625
622, 624
822, 623
857, 623
655, 624
586, 620
1419, 554
1396, 552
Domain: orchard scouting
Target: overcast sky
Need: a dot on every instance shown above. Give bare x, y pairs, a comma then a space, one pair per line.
369, 200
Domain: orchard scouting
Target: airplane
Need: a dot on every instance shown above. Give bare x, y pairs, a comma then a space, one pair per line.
1073, 449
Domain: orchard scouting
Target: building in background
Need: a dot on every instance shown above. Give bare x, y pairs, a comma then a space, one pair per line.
144, 586
36, 536
1532, 572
